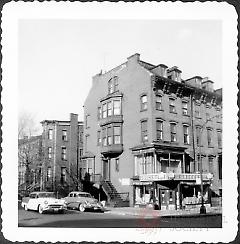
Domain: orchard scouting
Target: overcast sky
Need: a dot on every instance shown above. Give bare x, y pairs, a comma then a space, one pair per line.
57, 58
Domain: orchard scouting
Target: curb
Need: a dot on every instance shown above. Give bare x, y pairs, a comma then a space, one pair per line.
192, 215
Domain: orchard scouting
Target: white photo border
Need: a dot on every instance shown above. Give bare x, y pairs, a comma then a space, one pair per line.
14, 11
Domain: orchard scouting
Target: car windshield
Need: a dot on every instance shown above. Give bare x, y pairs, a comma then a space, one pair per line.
84, 195
46, 195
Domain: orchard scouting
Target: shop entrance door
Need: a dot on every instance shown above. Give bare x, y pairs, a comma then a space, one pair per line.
167, 199
105, 172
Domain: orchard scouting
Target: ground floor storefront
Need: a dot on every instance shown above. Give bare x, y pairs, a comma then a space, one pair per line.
170, 194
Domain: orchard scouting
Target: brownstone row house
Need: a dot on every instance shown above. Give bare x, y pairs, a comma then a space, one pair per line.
59, 151
146, 132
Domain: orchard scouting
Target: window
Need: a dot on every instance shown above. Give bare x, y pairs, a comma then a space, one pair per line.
49, 152
172, 108
117, 135
50, 134
210, 164
173, 132
115, 78
198, 134
104, 136
117, 164
116, 107
209, 137
113, 85
158, 102
99, 113
219, 138
99, 138
63, 175
64, 153
186, 134
159, 127
110, 86
49, 173
185, 108
208, 118
109, 108
80, 152
109, 136
104, 111
197, 111
80, 137
144, 132
144, 102
64, 135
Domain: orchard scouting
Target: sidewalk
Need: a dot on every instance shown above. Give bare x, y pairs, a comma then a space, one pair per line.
147, 212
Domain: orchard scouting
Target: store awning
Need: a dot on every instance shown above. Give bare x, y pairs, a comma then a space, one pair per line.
190, 154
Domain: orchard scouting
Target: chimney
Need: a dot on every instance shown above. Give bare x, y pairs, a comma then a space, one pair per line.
195, 81
134, 58
174, 74
207, 84
160, 70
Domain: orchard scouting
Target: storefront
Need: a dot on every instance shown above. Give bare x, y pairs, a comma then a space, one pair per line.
168, 191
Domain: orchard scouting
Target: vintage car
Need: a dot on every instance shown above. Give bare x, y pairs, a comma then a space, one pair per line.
43, 202
83, 201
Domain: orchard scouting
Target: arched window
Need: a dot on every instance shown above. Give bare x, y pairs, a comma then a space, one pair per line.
113, 85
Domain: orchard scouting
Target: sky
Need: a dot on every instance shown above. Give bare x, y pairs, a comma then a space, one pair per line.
57, 58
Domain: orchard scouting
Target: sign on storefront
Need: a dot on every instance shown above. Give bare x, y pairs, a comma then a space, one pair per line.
174, 176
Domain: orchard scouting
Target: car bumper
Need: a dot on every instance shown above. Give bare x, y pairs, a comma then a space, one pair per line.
94, 207
54, 208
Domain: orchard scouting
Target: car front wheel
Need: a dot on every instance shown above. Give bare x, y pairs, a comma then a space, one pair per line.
40, 209
81, 207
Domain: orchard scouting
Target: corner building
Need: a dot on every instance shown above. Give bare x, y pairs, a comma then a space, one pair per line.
147, 131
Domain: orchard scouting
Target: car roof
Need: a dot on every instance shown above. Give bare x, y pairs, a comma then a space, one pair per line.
79, 192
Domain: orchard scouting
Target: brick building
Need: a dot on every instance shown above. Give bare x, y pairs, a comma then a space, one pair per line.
62, 147
147, 131
53, 157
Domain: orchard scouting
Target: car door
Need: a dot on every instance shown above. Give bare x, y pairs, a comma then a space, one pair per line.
32, 201
69, 200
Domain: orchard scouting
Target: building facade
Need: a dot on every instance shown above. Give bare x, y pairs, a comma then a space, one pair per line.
55, 157
62, 146
149, 133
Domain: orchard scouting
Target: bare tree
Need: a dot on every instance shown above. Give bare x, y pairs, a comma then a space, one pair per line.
26, 125
29, 147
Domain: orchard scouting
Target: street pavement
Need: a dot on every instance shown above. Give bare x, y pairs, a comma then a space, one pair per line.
148, 212
116, 218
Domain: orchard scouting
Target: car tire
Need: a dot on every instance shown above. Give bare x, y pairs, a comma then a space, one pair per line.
81, 207
40, 209
61, 211
25, 207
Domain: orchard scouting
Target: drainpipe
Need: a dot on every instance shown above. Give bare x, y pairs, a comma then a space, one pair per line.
192, 125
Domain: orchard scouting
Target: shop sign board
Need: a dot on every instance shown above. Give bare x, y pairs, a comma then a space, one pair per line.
153, 177
174, 176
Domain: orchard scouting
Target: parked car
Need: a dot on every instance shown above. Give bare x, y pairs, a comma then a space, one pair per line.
43, 202
83, 201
